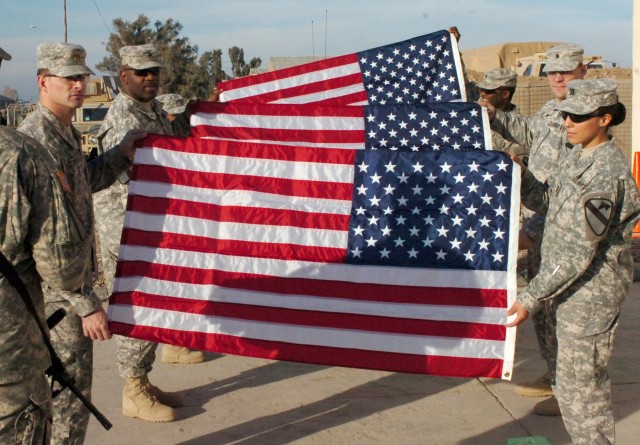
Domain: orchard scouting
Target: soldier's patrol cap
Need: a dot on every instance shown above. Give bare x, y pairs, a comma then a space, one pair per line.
4, 55
499, 77
173, 103
564, 57
140, 57
586, 96
62, 59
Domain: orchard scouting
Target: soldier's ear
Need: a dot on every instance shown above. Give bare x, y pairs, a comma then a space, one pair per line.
605, 120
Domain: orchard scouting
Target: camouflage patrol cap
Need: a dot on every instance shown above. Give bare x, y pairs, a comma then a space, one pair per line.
586, 96
62, 59
140, 57
565, 57
4, 55
173, 103
499, 77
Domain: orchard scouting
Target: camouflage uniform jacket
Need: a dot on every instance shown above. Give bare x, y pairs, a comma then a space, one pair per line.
41, 236
543, 137
501, 144
591, 207
83, 179
125, 114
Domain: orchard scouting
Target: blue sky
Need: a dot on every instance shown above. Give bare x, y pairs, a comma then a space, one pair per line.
267, 28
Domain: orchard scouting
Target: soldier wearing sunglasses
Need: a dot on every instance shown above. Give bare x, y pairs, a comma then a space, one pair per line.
543, 136
497, 88
137, 107
591, 205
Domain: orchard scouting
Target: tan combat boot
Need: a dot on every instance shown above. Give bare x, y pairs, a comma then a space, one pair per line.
181, 355
539, 388
137, 401
172, 399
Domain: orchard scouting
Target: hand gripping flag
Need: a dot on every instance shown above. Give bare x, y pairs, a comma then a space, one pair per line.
420, 70
381, 259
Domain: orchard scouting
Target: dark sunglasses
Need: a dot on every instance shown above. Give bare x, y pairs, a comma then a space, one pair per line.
485, 91
145, 72
74, 79
578, 118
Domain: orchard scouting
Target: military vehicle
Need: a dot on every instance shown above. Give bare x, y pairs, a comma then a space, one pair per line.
532, 66
525, 58
100, 93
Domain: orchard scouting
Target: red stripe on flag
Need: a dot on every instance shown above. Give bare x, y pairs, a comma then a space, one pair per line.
295, 252
280, 135
240, 149
220, 181
319, 65
329, 320
449, 296
243, 214
311, 88
275, 110
320, 355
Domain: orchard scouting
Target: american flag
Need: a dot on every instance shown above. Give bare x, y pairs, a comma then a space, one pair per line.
460, 125
383, 259
419, 70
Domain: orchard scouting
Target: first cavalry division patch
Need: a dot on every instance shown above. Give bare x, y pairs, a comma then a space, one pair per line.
598, 213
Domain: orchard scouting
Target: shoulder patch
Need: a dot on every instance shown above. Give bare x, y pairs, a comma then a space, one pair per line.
598, 212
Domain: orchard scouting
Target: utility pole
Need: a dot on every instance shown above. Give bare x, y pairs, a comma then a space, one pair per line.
65, 21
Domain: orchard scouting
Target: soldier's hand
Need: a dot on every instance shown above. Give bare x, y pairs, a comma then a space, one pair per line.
215, 96
128, 143
520, 312
95, 325
491, 110
454, 30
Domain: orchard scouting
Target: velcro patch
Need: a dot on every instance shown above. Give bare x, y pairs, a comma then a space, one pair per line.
598, 212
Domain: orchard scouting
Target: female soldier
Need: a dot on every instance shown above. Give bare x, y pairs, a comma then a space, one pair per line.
591, 206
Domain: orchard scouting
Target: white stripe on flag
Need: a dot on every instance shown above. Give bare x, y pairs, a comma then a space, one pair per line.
395, 276
201, 292
306, 335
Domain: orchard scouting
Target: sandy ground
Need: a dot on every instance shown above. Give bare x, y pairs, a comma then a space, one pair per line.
237, 400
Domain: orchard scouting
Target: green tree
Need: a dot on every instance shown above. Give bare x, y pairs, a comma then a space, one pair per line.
209, 73
239, 67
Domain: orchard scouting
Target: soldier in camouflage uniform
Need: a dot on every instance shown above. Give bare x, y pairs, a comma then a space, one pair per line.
497, 87
136, 107
544, 138
62, 77
40, 238
591, 205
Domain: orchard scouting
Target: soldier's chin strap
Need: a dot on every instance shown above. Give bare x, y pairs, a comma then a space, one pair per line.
56, 371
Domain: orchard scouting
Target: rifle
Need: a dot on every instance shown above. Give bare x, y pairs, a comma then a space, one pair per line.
56, 371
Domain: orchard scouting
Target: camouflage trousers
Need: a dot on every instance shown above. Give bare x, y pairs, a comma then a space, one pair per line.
25, 412
543, 320
70, 416
582, 384
135, 357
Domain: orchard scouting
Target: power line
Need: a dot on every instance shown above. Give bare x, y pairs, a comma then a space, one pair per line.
103, 20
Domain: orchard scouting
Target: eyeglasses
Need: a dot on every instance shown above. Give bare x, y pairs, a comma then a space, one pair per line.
71, 79
578, 118
562, 74
145, 72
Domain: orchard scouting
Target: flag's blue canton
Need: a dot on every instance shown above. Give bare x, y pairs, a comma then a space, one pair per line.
438, 209
413, 128
418, 70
